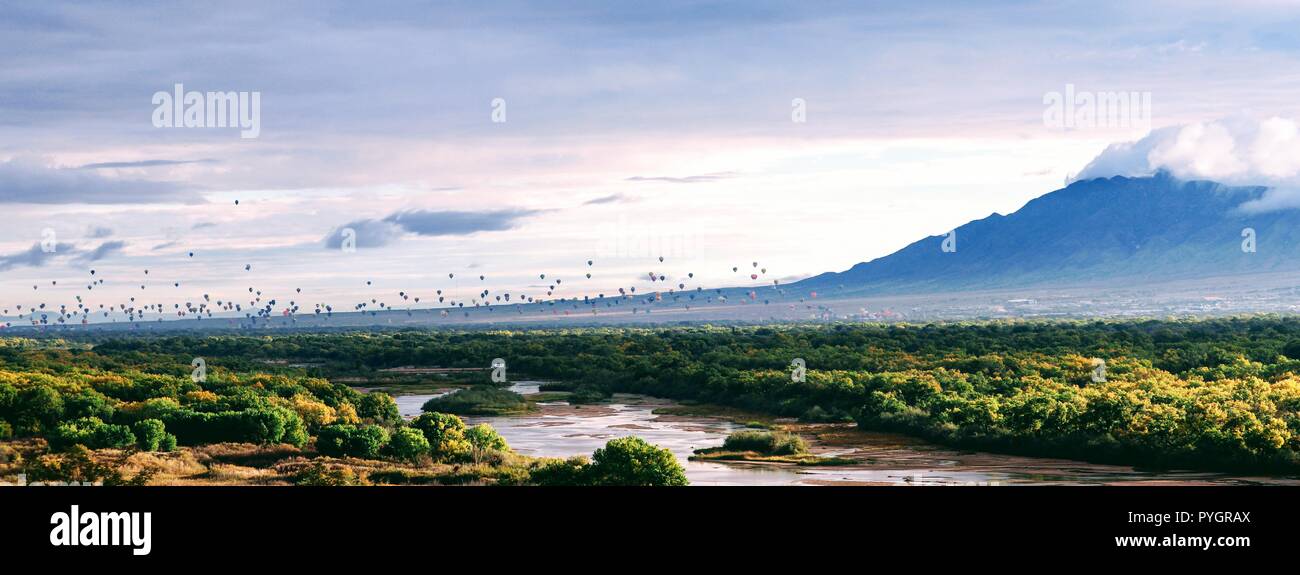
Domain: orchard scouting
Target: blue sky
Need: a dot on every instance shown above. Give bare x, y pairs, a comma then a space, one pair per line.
633, 131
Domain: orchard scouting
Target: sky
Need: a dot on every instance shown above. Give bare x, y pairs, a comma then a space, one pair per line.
509, 140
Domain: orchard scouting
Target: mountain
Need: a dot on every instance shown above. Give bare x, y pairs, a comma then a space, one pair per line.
1110, 231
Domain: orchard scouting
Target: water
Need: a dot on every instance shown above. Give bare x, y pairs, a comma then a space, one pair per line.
409, 405
562, 430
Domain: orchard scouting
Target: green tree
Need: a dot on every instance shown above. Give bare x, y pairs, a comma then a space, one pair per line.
632, 461
151, 435
90, 432
484, 439
341, 440
87, 404
36, 408
408, 444
380, 408
446, 435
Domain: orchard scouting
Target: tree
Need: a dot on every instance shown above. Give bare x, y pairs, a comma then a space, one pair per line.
37, 408
379, 408
90, 432
632, 461
151, 435
483, 439
87, 404
346, 413
446, 435
408, 444
342, 440
315, 414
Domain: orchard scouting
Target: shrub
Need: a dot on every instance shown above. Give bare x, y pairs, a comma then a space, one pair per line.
319, 475
574, 471
77, 465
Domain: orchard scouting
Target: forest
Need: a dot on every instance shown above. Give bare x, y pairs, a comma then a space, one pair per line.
1219, 394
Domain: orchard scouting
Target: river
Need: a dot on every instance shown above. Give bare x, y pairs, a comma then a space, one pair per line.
562, 430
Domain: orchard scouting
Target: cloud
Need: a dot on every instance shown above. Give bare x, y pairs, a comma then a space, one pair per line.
26, 180
99, 232
366, 234
203, 225
145, 164
701, 178
610, 199
451, 223
1279, 198
35, 256
102, 251
372, 233
1237, 152
1229, 151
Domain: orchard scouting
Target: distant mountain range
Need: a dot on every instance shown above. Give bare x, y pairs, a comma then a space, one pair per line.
1112, 231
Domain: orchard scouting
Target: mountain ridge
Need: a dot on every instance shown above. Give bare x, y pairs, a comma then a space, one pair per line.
1141, 230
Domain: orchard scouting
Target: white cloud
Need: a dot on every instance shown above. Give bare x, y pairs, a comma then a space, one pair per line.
1237, 152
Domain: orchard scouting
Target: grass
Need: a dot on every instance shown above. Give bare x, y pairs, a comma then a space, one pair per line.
766, 447
807, 459
766, 442
221, 464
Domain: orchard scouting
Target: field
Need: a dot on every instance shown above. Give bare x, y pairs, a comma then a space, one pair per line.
1219, 395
